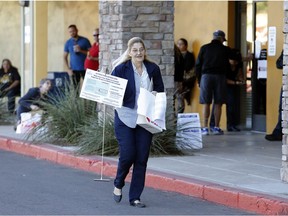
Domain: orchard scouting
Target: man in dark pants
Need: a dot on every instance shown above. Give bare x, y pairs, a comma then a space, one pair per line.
277, 132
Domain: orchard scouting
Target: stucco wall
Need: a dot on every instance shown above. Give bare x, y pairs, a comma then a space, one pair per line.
10, 26
61, 14
274, 75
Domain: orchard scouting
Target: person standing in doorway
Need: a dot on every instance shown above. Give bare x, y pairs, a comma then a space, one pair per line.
77, 47
189, 77
92, 59
134, 141
211, 68
235, 78
178, 97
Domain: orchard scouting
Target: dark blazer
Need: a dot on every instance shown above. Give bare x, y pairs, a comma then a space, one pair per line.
125, 71
30, 98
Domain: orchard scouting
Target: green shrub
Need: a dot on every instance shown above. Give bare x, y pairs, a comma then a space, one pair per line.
65, 112
72, 121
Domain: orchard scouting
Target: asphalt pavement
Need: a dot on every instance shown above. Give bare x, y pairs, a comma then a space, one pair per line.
238, 169
37, 187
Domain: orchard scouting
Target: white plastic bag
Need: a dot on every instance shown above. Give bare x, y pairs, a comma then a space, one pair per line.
188, 134
29, 121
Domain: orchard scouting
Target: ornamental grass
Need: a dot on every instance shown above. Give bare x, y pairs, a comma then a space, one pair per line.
69, 120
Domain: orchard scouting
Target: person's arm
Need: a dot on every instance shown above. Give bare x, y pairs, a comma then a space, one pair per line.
82, 51
13, 85
158, 84
27, 99
92, 58
93, 54
234, 82
65, 56
191, 61
87, 45
198, 67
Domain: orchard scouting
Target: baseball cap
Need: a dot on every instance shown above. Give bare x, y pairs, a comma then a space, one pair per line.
219, 33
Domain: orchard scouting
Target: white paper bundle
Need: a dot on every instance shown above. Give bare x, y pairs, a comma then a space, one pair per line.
151, 111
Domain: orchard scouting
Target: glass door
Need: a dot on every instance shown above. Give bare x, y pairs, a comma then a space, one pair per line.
259, 68
251, 39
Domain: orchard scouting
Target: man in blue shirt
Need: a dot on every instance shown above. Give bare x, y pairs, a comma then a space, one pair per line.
77, 47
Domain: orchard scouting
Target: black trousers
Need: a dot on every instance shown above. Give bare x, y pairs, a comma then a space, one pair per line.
11, 95
134, 148
76, 77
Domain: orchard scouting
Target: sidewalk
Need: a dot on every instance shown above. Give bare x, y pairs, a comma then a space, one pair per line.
240, 170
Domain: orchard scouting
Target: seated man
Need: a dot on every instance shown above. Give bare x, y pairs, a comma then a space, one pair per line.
9, 83
29, 101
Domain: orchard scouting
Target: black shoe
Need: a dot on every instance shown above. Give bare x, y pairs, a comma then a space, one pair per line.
233, 128
137, 203
117, 198
16, 125
272, 137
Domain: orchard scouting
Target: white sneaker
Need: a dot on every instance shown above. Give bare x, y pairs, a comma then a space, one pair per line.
204, 131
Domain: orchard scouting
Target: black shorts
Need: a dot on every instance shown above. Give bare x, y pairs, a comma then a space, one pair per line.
213, 87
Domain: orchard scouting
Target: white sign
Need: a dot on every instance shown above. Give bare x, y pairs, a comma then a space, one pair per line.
189, 134
262, 69
257, 49
103, 88
272, 41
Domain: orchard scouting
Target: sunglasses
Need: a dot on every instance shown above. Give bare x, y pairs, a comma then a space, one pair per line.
96, 35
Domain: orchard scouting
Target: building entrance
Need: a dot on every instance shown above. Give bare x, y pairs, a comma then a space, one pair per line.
251, 39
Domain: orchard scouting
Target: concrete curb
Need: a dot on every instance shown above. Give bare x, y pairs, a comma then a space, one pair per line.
245, 200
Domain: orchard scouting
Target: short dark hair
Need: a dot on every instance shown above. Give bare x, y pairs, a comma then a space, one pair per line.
72, 26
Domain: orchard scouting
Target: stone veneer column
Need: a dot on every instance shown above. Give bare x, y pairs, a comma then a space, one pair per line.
284, 169
153, 21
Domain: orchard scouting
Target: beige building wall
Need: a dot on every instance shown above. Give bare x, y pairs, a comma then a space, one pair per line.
274, 75
40, 47
84, 14
196, 21
10, 25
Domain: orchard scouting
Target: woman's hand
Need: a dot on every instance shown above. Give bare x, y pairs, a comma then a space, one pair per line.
154, 92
